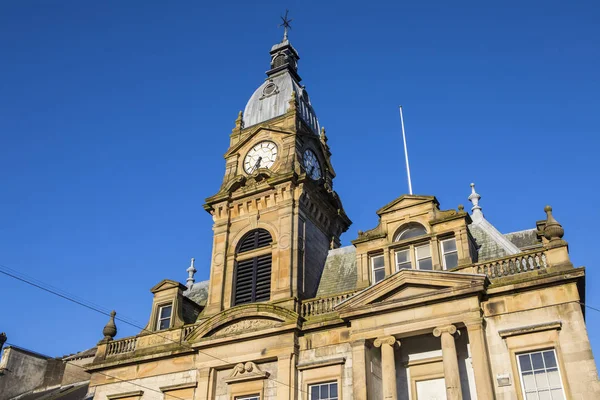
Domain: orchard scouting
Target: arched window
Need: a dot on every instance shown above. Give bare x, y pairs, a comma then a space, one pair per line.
253, 271
410, 231
279, 60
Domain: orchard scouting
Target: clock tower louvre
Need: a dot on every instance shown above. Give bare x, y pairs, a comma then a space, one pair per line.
278, 183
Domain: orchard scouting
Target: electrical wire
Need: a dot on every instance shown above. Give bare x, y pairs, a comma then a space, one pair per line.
41, 285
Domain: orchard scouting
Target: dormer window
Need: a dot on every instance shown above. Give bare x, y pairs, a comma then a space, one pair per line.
253, 268
164, 317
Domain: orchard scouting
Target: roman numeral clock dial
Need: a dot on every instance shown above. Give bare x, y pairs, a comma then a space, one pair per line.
263, 155
311, 164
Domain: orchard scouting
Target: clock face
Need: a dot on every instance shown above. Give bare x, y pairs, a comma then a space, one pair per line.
311, 164
263, 155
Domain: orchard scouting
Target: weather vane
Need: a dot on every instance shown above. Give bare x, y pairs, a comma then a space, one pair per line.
286, 25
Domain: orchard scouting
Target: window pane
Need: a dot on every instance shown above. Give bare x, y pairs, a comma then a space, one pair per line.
536, 360
165, 312
544, 395
324, 392
525, 362
379, 275
314, 393
164, 324
411, 232
549, 359
377, 262
540, 380
423, 251
554, 378
333, 390
402, 256
425, 264
528, 381
532, 396
557, 394
449, 245
451, 260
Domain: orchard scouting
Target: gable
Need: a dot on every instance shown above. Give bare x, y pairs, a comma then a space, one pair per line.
407, 201
249, 136
166, 284
414, 286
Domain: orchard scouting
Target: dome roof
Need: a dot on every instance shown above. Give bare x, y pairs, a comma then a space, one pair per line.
272, 99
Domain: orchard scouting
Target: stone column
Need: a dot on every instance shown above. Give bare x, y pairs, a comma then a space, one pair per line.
359, 369
388, 366
450, 360
480, 360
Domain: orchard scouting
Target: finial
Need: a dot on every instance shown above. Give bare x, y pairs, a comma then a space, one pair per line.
292, 101
474, 198
461, 208
191, 271
239, 122
323, 136
2, 339
110, 329
286, 25
553, 231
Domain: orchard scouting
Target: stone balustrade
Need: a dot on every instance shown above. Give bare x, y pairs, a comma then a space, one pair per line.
323, 305
121, 346
507, 266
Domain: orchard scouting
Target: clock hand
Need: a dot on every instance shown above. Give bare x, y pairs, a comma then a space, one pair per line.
257, 165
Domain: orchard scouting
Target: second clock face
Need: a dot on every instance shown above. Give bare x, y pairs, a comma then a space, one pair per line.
311, 164
263, 155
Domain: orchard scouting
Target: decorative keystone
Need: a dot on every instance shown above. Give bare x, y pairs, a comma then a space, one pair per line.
110, 329
451, 329
389, 340
553, 230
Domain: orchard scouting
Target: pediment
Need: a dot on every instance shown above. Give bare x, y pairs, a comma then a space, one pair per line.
248, 136
243, 319
166, 284
407, 201
415, 286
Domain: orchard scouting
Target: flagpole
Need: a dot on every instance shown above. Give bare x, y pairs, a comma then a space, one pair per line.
405, 152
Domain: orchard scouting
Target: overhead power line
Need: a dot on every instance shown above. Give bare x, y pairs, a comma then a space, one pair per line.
57, 292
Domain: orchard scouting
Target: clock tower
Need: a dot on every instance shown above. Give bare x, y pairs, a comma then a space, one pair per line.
276, 215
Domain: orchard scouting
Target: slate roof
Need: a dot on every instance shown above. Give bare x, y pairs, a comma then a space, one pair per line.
525, 240
198, 293
339, 273
75, 391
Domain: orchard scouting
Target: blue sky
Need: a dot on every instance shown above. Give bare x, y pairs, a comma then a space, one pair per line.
114, 117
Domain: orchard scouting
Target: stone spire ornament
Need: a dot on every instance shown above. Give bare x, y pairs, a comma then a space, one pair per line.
553, 231
110, 329
292, 101
191, 271
474, 198
2, 339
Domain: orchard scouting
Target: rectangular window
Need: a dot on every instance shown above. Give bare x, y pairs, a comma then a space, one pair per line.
403, 260
253, 397
378, 267
164, 317
423, 256
540, 377
449, 253
324, 391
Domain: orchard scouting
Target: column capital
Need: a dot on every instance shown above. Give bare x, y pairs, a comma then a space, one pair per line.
474, 324
451, 329
389, 340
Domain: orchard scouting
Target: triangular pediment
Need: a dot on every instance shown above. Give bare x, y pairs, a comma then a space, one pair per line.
407, 201
414, 286
167, 284
253, 133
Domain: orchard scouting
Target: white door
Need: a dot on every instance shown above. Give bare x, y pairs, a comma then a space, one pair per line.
432, 389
